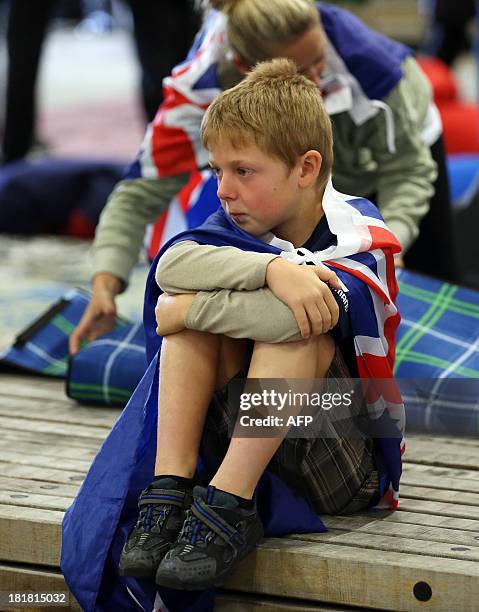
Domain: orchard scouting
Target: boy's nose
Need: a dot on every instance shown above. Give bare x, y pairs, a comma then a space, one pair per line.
225, 190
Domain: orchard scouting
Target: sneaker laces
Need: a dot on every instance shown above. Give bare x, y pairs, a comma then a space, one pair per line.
152, 517
194, 531
155, 505
202, 523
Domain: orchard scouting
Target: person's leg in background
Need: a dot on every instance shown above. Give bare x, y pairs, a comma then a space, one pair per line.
163, 32
27, 26
434, 252
447, 33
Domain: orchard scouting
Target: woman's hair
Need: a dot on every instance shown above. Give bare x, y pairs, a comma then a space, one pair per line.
256, 29
277, 109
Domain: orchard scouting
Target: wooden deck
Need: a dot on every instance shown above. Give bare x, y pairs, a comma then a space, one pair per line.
424, 556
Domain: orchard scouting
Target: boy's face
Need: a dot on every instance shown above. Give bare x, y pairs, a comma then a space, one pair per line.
258, 191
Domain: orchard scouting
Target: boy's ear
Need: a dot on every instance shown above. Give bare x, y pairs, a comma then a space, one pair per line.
310, 165
240, 64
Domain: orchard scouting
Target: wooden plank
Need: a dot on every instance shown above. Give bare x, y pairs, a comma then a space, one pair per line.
50, 439
43, 474
455, 440
34, 500
237, 602
72, 465
37, 387
30, 535
57, 411
428, 493
428, 452
454, 537
80, 431
385, 543
37, 580
47, 450
453, 445
323, 571
440, 477
418, 518
20, 485
384, 580
438, 508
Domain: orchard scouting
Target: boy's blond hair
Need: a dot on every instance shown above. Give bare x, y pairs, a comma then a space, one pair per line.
257, 29
277, 109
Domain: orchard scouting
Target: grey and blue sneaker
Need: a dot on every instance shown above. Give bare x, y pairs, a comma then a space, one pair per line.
216, 535
162, 513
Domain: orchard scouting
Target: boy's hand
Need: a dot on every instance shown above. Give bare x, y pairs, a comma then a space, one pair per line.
304, 290
171, 311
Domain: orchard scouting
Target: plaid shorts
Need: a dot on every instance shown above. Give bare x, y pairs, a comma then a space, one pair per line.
335, 474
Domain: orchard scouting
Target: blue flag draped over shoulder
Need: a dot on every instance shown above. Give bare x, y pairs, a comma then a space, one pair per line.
97, 524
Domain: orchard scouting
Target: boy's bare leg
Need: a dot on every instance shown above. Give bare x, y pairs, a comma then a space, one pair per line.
250, 456
191, 363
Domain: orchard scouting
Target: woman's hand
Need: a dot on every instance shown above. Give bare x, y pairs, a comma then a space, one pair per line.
171, 311
100, 314
304, 290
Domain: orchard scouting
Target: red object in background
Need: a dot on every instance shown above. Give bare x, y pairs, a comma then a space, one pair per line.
460, 120
79, 226
441, 77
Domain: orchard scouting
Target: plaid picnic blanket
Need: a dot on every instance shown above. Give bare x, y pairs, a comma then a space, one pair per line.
107, 371
104, 372
437, 355
42, 348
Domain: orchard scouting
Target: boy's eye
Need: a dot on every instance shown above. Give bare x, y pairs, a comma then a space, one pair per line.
216, 171
244, 171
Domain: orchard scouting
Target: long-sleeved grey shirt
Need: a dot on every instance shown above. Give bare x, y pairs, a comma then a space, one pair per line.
232, 298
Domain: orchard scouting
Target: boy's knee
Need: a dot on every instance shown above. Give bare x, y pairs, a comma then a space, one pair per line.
326, 349
322, 348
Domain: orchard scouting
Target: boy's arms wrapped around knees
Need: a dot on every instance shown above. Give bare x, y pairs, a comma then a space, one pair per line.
258, 315
188, 267
303, 306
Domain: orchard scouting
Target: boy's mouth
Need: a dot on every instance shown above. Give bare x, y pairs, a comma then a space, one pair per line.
238, 216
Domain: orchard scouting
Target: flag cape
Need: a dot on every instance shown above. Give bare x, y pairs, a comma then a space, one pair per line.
98, 523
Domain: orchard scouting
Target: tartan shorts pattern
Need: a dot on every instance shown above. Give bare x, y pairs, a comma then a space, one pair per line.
336, 475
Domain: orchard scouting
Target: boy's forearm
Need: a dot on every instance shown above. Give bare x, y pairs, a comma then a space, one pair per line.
190, 267
257, 314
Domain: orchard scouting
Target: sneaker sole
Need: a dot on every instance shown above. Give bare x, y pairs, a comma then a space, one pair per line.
217, 582
137, 573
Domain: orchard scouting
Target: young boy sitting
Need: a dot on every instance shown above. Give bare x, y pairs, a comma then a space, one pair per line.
229, 284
